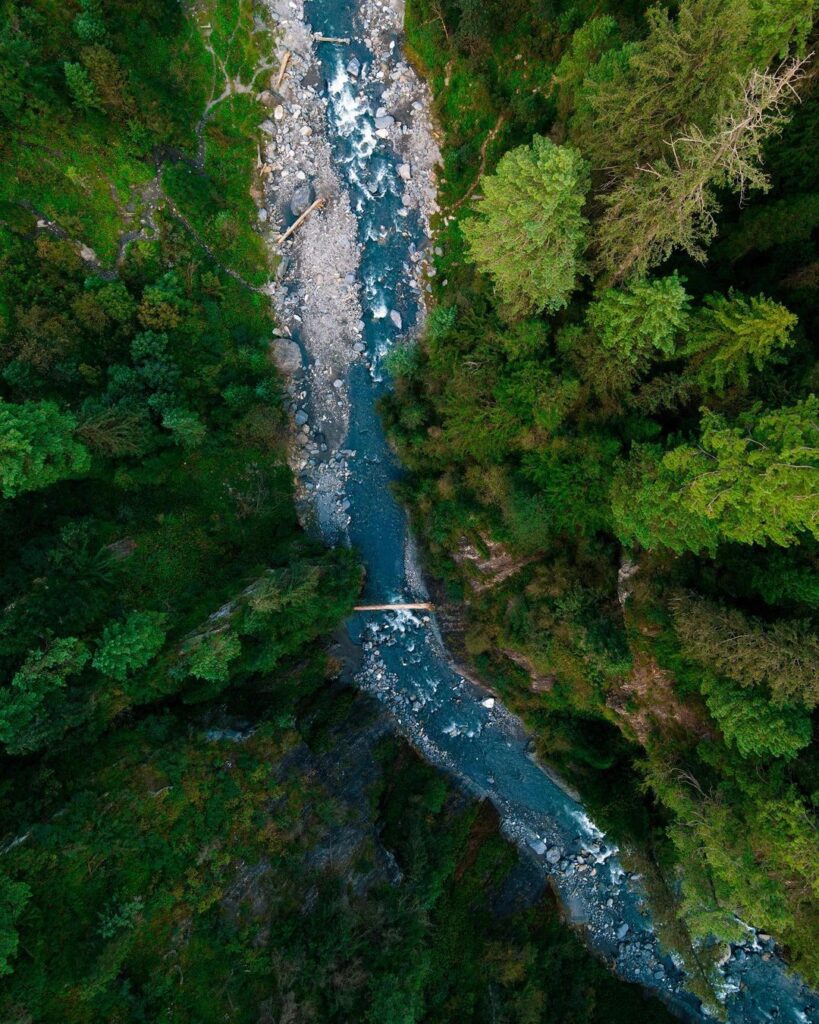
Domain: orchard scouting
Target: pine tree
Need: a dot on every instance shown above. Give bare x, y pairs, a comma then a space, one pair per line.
130, 645
643, 319
752, 483
529, 232
671, 203
733, 334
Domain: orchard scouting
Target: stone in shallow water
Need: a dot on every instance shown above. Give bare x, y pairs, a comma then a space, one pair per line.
538, 846
395, 316
622, 931
354, 67
301, 418
387, 121
554, 854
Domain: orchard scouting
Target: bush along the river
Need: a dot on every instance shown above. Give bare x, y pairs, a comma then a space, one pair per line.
617, 384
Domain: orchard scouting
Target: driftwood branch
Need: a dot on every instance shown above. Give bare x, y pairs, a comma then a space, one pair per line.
282, 70
300, 220
341, 40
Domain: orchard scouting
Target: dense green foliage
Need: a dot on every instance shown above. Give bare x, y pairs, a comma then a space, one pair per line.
646, 451
166, 857
194, 878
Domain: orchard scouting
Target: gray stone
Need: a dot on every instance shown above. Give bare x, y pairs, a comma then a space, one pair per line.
286, 355
395, 316
386, 121
354, 67
554, 854
538, 846
302, 197
268, 127
263, 215
622, 931
405, 172
301, 418
337, 383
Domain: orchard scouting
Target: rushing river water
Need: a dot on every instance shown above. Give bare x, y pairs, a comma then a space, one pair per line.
450, 720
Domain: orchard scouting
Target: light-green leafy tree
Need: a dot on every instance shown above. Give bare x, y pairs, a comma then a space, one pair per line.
529, 232
37, 447
641, 320
752, 483
731, 335
130, 645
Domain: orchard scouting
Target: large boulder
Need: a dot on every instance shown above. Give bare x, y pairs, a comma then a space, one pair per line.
301, 199
286, 355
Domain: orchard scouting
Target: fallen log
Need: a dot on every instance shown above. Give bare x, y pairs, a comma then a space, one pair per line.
341, 40
282, 70
300, 220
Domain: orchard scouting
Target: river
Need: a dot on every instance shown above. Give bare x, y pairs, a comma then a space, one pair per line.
455, 724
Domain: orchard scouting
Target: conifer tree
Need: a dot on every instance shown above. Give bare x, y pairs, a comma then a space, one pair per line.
529, 232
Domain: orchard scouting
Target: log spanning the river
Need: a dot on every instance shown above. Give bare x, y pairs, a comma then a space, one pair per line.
298, 223
341, 40
421, 607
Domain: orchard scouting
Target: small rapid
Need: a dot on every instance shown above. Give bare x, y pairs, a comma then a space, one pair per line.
454, 723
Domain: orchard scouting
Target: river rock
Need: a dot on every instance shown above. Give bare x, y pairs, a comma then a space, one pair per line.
395, 316
354, 67
268, 127
338, 383
263, 215
385, 121
489, 702
538, 846
405, 172
622, 931
302, 197
301, 418
553, 854
278, 112
286, 355
267, 99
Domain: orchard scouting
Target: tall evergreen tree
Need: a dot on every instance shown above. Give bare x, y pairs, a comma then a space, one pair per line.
529, 232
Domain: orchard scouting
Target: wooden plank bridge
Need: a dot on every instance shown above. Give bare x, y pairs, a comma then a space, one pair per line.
421, 607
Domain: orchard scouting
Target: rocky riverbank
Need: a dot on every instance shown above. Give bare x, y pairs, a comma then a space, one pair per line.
316, 293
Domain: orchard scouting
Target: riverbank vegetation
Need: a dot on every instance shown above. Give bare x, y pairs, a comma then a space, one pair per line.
616, 394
